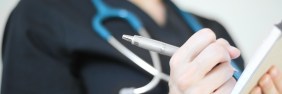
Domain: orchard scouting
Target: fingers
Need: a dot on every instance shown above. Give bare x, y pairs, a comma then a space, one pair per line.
233, 51
201, 64
211, 56
267, 85
186, 53
256, 90
195, 45
270, 83
217, 77
276, 77
227, 87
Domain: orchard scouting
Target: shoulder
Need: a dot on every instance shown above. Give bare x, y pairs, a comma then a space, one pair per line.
34, 24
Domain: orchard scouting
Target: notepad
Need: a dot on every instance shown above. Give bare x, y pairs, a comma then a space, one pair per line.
269, 53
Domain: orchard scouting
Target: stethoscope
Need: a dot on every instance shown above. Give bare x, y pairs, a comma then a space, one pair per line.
105, 12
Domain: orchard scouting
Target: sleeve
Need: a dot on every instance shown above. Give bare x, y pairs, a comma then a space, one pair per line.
35, 59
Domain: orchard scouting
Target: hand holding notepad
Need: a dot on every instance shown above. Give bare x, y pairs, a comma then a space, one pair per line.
267, 55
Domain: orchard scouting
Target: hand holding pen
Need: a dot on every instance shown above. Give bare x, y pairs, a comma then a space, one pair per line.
200, 66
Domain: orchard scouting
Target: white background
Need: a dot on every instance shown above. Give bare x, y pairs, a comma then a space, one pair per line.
248, 21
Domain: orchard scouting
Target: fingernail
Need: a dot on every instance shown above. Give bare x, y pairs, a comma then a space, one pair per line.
235, 52
257, 90
265, 80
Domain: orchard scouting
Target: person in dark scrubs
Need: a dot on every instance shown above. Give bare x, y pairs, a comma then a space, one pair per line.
49, 47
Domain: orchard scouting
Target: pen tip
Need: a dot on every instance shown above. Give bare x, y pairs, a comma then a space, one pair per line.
127, 38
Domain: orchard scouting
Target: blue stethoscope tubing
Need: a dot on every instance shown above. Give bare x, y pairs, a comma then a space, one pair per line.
105, 12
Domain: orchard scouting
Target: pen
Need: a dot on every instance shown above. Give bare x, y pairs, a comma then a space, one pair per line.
150, 44
163, 48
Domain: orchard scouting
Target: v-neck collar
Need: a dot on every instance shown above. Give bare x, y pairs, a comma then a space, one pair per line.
148, 23
147, 18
